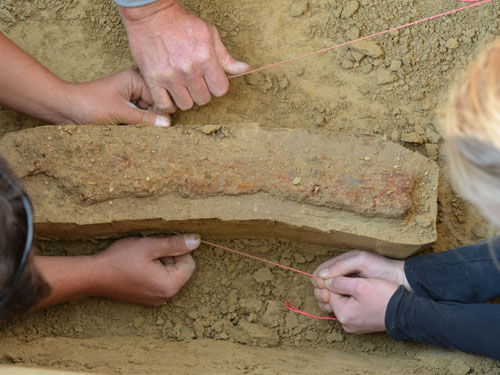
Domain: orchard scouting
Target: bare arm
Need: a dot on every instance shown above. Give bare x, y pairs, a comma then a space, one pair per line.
27, 87
137, 270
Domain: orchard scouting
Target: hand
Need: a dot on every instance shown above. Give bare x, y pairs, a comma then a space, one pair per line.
146, 270
359, 304
122, 98
178, 54
363, 264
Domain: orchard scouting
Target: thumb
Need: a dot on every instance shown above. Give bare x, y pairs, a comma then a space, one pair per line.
131, 115
175, 245
228, 63
346, 286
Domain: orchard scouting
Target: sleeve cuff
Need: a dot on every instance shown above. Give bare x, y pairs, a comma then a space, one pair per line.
133, 3
393, 312
411, 270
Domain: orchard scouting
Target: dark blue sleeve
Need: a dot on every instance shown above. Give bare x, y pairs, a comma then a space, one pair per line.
472, 328
468, 274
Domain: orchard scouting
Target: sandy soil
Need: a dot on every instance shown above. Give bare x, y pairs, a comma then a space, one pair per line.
233, 301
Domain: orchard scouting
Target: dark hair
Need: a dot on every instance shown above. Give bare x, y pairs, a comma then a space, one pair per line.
31, 288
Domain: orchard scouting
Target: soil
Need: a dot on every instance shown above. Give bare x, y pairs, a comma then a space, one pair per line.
230, 317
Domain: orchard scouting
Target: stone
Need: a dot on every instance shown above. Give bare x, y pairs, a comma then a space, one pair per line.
432, 151
412, 137
384, 76
262, 275
349, 10
259, 335
210, 129
236, 182
298, 8
368, 48
452, 44
250, 305
424, 221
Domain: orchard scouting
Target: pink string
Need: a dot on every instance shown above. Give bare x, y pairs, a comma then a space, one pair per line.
258, 258
475, 3
289, 306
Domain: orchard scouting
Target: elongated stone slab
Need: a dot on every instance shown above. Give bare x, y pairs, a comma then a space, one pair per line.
338, 189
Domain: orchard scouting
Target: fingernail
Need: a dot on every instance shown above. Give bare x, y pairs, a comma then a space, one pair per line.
162, 122
323, 273
328, 283
192, 241
242, 65
327, 307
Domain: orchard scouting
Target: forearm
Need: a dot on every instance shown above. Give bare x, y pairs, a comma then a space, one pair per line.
29, 88
468, 274
70, 277
472, 328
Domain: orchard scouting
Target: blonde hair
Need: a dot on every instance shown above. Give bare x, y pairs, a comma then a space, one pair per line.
472, 131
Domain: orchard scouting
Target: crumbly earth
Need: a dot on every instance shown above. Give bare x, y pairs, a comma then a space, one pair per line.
394, 87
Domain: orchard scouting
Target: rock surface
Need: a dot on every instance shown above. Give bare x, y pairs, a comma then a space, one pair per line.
237, 182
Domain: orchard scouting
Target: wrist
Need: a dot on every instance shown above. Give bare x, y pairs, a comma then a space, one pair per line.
141, 13
403, 280
70, 103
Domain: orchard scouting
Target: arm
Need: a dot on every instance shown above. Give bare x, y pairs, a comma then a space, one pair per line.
27, 87
372, 305
137, 270
182, 58
468, 274
472, 328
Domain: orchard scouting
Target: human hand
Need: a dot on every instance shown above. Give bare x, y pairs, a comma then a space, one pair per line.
363, 264
358, 304
145, 270
178, 54
121, 98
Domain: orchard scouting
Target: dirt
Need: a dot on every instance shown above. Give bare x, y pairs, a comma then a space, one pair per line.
394, 87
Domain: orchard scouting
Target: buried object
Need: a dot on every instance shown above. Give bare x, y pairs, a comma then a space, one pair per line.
338, 189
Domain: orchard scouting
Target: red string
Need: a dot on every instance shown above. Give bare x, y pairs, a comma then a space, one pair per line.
475, 3
258, 258
289, 306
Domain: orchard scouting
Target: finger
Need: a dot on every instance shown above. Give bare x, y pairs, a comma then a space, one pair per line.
334, 260
199, 91
228, 63
167, 260
178, 274
181, 97
343, 267
130, 114
347, 286
143, 105
322, 295
216, 80
325, 307
162, 100
318, 282
139, 90
174, 245
339, 304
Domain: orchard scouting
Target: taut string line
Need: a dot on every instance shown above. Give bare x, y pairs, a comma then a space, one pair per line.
475, 3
